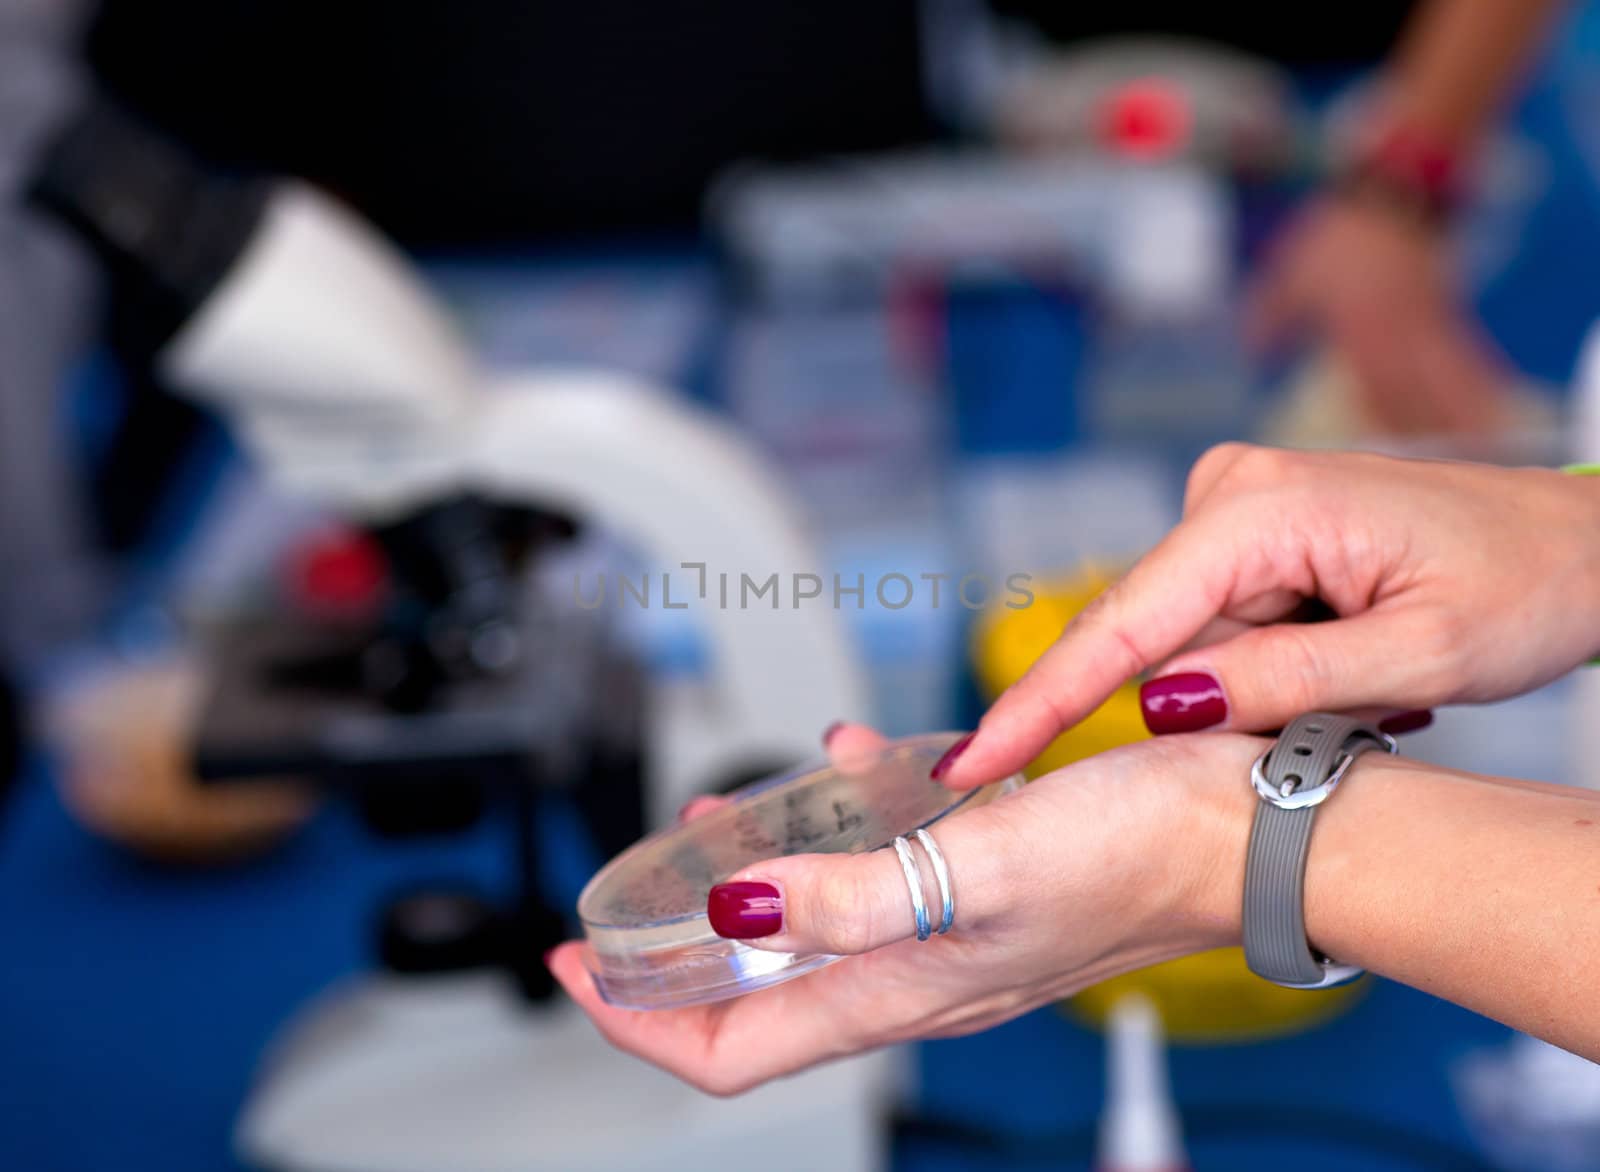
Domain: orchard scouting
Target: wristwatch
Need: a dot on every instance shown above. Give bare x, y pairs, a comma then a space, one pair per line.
1293, 778
1407, 170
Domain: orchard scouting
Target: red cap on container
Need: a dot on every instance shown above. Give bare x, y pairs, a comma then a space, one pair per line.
1147, 118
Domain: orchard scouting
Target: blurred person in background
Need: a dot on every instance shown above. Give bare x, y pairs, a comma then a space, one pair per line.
496, 124
1367, 265
1365, 268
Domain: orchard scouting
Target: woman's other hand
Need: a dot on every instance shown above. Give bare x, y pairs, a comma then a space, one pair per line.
1446, 582
1375, 290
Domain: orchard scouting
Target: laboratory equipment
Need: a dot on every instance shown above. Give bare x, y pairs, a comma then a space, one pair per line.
1152, 98
333, 365
651, 945
868, 254
1140, 1130
1532, 1106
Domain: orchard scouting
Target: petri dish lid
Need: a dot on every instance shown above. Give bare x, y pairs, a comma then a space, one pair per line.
644, 914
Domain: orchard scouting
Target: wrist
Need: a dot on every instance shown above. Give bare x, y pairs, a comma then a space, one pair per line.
1213, 840
1401, 166
1340, 862
1217, 836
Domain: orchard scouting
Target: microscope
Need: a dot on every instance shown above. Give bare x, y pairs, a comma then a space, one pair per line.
469, 687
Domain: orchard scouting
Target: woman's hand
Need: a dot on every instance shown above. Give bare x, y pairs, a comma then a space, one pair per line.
1121, 861
1375, 289
1137, 856
1448, 582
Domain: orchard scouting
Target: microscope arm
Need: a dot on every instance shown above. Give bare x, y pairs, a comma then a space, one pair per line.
312, 336
331, 358
327, 354
684, 487
332, 361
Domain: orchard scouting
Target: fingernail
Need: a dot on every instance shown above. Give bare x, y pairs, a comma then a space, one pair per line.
830, 732
548, 953
943, 764
1404, 722
1186, 702
744, 911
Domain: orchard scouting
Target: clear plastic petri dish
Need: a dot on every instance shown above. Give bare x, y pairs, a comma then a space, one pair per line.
644, 914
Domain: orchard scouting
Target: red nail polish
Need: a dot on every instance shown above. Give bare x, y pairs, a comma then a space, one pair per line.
1404, 722
1186, 702
942, 765
548, 953
744, 911
830, 732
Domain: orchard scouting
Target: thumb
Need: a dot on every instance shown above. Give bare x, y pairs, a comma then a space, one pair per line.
1270, 675
848, 904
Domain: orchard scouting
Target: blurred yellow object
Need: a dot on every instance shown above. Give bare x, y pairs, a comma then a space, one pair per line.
1213, 997
126, 775
1209, 997
1006, 642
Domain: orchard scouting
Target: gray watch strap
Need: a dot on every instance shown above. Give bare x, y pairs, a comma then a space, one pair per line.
1292, 779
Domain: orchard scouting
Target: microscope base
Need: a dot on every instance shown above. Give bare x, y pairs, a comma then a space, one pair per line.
455, 1073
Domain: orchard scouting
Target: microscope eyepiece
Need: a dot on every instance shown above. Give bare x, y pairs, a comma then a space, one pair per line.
165, 225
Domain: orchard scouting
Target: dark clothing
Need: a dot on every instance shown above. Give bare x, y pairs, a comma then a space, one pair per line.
1296, 35
498, 120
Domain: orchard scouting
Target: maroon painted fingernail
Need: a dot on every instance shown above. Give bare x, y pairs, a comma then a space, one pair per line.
1186, 702
1405, 722
743, 911
942, 765
831, 731
548, 953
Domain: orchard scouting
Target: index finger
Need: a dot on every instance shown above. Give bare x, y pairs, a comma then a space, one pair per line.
1163, 602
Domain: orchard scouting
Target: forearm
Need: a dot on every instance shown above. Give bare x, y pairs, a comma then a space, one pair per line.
1460, 60
1484, 893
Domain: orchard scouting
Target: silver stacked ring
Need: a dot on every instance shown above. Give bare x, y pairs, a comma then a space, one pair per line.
913, 873
941, 872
